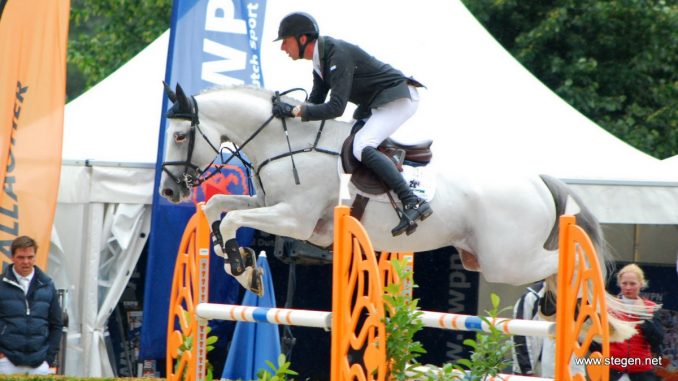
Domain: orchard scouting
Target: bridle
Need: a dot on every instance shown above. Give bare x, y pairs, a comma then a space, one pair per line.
193, 175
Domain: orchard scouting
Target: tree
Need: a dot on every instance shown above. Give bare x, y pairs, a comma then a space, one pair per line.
613, 60
107, 33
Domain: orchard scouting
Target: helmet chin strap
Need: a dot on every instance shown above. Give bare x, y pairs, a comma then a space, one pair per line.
302, 47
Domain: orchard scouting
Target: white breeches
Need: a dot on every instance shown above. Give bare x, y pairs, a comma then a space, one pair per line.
385, 120
6, 367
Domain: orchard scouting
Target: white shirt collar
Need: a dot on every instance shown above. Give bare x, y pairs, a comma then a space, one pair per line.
316, 58
29, 277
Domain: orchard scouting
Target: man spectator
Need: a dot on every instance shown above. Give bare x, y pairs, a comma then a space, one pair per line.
30, 315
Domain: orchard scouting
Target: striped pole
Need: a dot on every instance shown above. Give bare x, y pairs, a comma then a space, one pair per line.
323, 319
474, 323
284, 316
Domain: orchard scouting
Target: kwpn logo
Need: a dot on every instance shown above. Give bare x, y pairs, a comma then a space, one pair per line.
231, 179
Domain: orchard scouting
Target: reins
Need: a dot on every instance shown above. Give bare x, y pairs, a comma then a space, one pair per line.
203, 175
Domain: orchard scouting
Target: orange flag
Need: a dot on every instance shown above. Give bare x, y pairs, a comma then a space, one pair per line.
33, 40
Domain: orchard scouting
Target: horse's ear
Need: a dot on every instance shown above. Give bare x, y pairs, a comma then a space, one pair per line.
184, 103
170, 94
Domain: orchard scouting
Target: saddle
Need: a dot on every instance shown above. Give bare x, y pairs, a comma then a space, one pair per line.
365, 180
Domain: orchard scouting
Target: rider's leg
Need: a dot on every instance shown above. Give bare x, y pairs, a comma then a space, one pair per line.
414, 208
385, 120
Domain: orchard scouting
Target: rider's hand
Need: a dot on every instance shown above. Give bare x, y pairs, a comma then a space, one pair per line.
282, 110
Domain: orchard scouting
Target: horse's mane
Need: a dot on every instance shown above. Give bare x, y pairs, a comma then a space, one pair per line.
259, 92
247, 88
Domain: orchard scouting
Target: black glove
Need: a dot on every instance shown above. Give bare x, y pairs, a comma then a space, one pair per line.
653, 332
282, 109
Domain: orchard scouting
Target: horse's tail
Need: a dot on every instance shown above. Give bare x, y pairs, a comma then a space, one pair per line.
568, 202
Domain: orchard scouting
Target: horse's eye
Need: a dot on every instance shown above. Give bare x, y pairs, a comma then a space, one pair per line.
179, 137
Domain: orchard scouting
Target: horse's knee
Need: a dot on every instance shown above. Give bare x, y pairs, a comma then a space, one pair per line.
212, 210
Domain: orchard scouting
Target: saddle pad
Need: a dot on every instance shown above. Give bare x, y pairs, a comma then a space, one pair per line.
421, 179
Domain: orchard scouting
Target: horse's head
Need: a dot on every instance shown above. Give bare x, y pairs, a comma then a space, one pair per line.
187, 147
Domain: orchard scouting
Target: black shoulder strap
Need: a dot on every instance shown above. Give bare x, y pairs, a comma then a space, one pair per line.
520, 342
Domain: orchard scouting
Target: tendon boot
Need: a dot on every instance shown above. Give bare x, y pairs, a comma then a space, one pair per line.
414, 208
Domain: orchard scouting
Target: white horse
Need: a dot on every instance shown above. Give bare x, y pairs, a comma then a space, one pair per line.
503, 224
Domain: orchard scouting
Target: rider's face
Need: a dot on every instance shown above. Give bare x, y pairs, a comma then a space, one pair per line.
289, 45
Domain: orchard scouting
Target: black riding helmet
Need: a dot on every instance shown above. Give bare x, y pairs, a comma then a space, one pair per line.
298, 24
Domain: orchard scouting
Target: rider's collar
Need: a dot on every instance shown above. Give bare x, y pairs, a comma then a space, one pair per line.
316, 58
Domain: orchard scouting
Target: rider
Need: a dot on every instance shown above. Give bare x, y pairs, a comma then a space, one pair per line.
382, 94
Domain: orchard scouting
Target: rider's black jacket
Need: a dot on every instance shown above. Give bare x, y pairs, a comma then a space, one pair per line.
352, 75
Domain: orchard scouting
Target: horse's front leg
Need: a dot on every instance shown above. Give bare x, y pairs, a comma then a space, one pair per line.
219, 204
278, 219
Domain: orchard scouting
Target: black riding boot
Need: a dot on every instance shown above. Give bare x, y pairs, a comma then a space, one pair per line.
414, 208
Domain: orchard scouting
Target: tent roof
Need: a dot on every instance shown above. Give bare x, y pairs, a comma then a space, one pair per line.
118, 119
483, 109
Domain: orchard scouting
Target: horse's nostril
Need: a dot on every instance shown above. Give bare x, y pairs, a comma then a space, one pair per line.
167, 192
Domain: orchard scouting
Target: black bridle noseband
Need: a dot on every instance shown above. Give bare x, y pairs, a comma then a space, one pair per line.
193, 175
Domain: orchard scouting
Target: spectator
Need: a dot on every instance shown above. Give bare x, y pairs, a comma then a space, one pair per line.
632, 358
30, 316
532, 355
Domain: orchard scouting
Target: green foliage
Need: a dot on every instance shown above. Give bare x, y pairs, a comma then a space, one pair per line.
490, 354
402, 322
280, 373
491, 350
104, 34
187, 346
613, 60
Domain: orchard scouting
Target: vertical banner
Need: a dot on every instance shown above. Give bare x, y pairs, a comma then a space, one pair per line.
33, 40
212, 43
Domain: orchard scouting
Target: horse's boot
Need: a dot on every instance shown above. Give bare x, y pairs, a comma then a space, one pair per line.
414, 208
217, 240
232, 251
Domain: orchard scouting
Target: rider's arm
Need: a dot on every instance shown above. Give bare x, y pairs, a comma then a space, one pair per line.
340, 70
319, 91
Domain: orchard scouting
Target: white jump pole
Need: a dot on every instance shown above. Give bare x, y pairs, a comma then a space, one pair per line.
323, 319
474, 323
284, 316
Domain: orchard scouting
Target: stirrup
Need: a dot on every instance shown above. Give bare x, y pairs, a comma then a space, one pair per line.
409, 215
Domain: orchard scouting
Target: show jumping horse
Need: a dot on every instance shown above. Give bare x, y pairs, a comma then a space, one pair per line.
503, 224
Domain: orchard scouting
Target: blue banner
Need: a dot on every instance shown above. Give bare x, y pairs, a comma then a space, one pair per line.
212, 43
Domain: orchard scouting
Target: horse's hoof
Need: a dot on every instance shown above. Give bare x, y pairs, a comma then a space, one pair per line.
257, 282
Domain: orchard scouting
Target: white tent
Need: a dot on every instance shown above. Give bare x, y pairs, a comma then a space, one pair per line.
482, 108
103, 213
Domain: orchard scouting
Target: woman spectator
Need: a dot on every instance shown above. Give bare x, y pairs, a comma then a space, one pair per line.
633, 359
